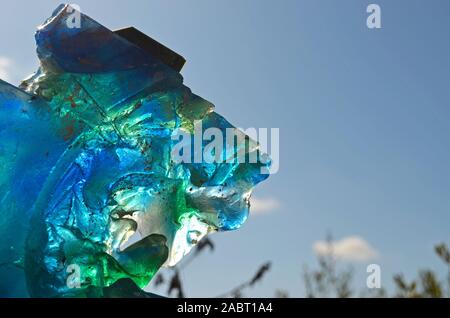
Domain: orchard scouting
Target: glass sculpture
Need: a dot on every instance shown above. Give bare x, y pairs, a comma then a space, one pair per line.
92, 201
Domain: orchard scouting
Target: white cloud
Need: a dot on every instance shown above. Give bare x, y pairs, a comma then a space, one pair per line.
352, 248
263, 206
5, 68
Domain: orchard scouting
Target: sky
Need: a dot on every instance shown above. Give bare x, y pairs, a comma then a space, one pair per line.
363, 117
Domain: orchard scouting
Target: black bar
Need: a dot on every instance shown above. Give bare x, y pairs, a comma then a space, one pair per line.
153, 47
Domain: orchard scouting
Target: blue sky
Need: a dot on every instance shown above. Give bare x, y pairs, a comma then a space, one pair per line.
363, 117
